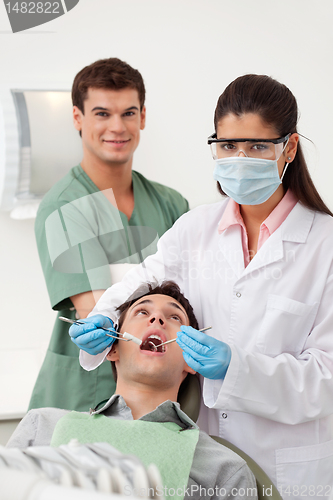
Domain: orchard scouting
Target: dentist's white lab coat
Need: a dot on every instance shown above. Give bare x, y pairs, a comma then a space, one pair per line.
276, 402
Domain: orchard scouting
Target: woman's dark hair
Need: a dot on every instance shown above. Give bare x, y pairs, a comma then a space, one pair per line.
277, 106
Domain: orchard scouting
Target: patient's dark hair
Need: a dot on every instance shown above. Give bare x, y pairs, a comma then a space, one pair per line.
169, 288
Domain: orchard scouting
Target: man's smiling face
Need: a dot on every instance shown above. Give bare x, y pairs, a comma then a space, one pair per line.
153, 319
110, 125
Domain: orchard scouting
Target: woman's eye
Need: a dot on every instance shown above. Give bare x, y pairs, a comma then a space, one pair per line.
259, 147
176, 318
227, 146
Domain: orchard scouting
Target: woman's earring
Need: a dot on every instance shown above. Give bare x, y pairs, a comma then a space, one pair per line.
289, 158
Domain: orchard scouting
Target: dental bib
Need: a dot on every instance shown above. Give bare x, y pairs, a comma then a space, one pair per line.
165, 444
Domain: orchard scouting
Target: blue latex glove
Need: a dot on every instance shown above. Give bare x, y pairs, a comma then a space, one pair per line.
206, 355
89, 337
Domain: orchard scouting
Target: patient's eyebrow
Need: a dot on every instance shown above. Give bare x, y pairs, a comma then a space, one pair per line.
147, 301
174, 304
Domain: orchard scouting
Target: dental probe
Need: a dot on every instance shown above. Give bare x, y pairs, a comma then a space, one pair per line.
174, 340
125, 336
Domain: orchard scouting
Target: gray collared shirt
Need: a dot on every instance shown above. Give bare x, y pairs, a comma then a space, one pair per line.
168, 411
216, 471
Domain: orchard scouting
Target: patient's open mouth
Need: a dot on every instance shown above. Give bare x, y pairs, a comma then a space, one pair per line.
151, 342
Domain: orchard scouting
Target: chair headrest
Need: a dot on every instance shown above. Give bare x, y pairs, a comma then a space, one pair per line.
189, 396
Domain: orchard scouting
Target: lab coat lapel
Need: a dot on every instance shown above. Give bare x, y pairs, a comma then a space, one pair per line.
230, 244
295, 229
271, 251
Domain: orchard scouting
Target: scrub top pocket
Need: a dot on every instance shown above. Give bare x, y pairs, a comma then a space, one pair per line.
286, 325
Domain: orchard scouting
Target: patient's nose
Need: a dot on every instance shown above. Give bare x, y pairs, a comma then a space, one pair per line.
160, 320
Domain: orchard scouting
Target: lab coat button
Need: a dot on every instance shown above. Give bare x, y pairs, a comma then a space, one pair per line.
224, 415
238, 294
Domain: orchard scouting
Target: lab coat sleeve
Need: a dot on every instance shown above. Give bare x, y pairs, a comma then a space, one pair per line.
164, 265
284, 388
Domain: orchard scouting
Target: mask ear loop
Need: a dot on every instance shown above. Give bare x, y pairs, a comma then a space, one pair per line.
286, 164
284, 170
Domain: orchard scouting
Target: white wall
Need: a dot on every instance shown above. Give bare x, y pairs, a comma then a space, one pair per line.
187, 51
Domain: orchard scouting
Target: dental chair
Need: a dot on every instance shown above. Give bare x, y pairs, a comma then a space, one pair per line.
28, 483
189, 398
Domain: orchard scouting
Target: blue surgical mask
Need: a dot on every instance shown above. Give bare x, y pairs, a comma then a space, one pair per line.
248, 181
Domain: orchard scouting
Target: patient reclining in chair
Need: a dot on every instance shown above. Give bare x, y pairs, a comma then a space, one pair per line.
143, 418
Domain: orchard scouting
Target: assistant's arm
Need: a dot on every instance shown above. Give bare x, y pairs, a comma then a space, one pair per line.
86, 301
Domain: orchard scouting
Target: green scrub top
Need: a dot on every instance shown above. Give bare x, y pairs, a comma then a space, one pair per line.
79, 233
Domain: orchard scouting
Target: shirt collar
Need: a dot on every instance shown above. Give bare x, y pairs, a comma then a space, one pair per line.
232, 215
169, 411
280, 212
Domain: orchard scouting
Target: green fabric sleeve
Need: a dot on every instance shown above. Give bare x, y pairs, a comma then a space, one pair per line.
74, 250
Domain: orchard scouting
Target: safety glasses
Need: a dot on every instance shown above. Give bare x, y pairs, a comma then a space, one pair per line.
268, 149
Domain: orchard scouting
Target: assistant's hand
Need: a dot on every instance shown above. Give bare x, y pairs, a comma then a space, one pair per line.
89, 337
206, 355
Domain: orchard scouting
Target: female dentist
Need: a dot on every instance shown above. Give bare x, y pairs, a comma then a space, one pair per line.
258, 267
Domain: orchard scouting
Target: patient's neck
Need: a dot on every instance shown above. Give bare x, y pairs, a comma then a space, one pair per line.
142, 399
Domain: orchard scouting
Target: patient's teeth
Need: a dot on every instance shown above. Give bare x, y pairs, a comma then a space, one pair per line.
150, 344
154, 337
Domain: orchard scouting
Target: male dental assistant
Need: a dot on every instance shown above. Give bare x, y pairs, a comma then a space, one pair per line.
95, 222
